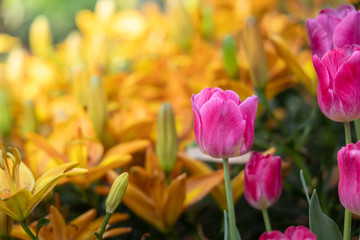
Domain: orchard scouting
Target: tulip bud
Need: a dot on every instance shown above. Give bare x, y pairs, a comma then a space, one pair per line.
40, 37
30, 123
6, 223
97, 105
5, 119
166, 142
263, 181
255, 52
117, 192
229, 57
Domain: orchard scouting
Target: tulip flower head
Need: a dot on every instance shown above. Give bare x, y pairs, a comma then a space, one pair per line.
333, 28
263, 182
291, 233
338, 91
223, 124
349, 177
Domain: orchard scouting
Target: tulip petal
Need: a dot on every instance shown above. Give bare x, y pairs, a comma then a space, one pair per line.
347, 32
272, 184
202, 97
223, 127
319, 38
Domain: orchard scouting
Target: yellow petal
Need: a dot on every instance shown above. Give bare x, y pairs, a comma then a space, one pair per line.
174, 200
43, 144
196, 168
18, 203
19, 233
128, 147
198, 187
27, 180
58, 224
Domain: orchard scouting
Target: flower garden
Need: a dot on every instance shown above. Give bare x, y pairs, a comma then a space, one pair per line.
179, 119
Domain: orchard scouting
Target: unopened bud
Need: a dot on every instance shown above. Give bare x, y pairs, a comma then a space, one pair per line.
255, 52
166, 142
207, 23
117, 192
5, 119
30, 123
97, 105
40, 37
229, 57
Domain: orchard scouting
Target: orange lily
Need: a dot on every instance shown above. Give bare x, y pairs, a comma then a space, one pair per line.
81, 228
158, 202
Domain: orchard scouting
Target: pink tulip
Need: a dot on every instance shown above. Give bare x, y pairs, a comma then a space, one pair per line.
291, 233
223, 125
263, 182
349, 176
333, 28
299, 233
338, 90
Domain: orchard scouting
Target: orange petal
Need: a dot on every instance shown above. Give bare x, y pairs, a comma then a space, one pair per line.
116, 232
198, 187
80, 223
58, 224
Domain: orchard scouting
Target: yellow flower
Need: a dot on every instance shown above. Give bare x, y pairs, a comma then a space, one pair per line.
20, 193
81, 228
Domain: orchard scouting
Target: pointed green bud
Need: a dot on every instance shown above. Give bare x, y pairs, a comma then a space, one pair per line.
207, 23
229, 57
117, 192
5, 119
30, 123
166, 142
255, 53
97, 106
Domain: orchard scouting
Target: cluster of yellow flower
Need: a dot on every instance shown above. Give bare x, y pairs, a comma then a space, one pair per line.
93, 100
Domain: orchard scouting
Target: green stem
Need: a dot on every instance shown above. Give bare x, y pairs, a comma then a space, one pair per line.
229, 200
266, 220
357, 129
105, 222
27, 230
347, 218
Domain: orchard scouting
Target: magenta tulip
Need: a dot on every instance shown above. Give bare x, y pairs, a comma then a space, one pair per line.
223, 125
263, 182
349, 177
333, 28
291, 233
338, 90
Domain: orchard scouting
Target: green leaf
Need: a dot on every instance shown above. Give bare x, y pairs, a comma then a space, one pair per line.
303, 183
40, 224
320, 224
226, 226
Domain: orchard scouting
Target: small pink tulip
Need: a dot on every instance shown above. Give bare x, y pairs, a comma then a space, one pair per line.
263, 182
299, 233
223, 125
333, 28
349, 177
291, 233
338, 90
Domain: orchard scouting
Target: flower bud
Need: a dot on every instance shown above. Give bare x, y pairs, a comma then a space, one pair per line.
30, 123
40, 37
166, 142
117, 192
263, 181
255, 52
229, 57
5, 119
207, 23
97, 105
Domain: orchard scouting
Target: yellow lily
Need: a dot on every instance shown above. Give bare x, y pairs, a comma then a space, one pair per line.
20, 193
81, 228
160, 203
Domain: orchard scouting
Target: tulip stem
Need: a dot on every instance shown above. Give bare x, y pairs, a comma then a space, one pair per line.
27, 230
103, 227
347, 217
266, 220
357, 129
229, 200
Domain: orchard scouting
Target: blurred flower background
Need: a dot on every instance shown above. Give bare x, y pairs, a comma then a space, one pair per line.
83, 81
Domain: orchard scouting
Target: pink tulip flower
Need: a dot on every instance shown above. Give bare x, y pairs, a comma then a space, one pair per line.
349, 177
263, 181
223, 125
291, 233
333, 28
338, 90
